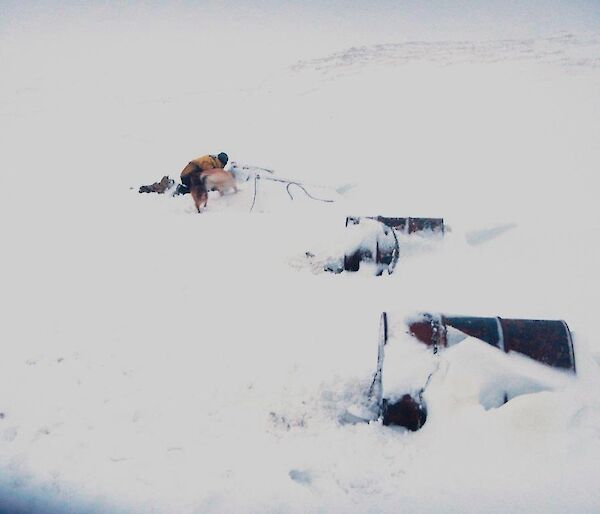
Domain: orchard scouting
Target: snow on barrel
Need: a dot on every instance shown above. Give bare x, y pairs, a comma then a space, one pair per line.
410, 349
376, 241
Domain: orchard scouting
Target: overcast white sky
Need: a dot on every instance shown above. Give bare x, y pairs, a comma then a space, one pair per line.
377, 20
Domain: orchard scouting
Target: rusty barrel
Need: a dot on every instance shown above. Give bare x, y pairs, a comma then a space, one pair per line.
404, 225
546, 341
387, 249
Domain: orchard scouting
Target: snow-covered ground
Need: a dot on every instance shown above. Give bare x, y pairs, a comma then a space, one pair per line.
158, 360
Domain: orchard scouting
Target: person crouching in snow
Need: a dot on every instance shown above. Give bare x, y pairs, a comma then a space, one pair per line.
197, 166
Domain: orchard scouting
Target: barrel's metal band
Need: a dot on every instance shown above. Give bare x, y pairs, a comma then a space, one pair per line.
500, 335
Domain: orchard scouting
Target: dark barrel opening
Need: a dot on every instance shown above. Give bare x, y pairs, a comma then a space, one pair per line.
407, 412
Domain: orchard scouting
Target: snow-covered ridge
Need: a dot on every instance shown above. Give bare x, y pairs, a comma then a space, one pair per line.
568, 50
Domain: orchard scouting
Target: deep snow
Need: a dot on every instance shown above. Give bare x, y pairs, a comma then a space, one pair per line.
157, 360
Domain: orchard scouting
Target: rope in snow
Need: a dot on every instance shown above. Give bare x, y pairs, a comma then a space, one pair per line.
288, 183
249, 166
287, 188
256, 176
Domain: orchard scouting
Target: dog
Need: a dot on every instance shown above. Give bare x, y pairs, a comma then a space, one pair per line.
217, 179
214, 179
198, 190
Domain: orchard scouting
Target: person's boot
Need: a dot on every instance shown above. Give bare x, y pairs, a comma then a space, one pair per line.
181, 189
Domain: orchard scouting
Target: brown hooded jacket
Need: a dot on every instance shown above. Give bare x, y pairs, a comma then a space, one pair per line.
206, 162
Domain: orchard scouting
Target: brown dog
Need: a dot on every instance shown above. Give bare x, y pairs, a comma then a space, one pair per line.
210, 180
217, 179
198, 190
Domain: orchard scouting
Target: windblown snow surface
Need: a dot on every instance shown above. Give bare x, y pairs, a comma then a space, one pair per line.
156, 360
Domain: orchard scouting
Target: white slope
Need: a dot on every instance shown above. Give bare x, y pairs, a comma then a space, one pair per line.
158, 360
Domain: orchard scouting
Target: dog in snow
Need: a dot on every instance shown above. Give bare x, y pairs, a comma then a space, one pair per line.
215, 179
